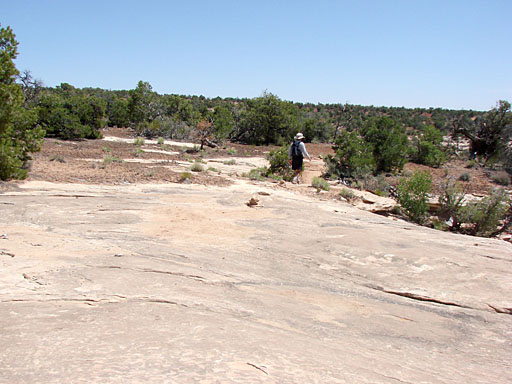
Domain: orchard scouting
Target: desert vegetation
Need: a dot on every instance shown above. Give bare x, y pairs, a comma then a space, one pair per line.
371, 146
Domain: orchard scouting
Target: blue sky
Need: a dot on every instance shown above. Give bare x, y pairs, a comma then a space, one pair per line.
412, 53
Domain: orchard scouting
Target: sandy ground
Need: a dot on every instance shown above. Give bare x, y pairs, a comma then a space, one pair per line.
116, 160
115, 275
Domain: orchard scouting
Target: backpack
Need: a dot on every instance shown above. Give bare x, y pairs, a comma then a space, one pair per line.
296, 152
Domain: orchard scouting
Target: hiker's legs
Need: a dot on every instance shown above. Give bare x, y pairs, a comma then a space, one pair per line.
297, 167
298, 176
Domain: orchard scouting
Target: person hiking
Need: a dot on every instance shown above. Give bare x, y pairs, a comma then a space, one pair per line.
296, 155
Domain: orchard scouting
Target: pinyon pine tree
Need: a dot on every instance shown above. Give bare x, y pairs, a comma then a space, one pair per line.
19, 134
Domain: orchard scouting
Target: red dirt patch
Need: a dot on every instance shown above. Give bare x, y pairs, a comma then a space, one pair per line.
100, 162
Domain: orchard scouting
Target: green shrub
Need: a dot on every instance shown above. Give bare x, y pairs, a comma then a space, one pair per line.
501, 178
212, 169
430, 154
465, 177
440, 225
353, 157
320, 184
185, 177
471, 164
407, 173
376, 184
357, 184
507, 159
279, 163
483, 217
160, 141
451, 202
164, 126
379, 146
71, 116
224, 123
230, 162
388, 141
109, 159
428, 148
274, 177
57, 158
138, 141
380, 192
347, 194
257, 174
478, 218
137, 152
413, 195
197, 167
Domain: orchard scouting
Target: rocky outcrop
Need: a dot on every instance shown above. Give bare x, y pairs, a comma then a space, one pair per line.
185, 283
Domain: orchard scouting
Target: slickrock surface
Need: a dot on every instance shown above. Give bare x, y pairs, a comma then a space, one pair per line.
188, 284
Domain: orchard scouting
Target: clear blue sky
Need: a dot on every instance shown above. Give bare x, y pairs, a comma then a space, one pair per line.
412, 53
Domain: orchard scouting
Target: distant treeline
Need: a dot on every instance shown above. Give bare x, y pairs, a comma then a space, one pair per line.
71, 113
366, 139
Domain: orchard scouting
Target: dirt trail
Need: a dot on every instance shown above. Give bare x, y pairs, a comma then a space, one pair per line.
312, 169
231, 164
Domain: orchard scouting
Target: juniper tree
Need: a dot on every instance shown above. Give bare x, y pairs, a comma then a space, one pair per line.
19, 134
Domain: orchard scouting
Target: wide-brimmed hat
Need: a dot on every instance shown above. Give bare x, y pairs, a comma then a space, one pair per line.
299, 136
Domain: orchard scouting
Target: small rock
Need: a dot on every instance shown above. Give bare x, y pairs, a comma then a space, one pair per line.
4, 236
264, 193
252, 202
